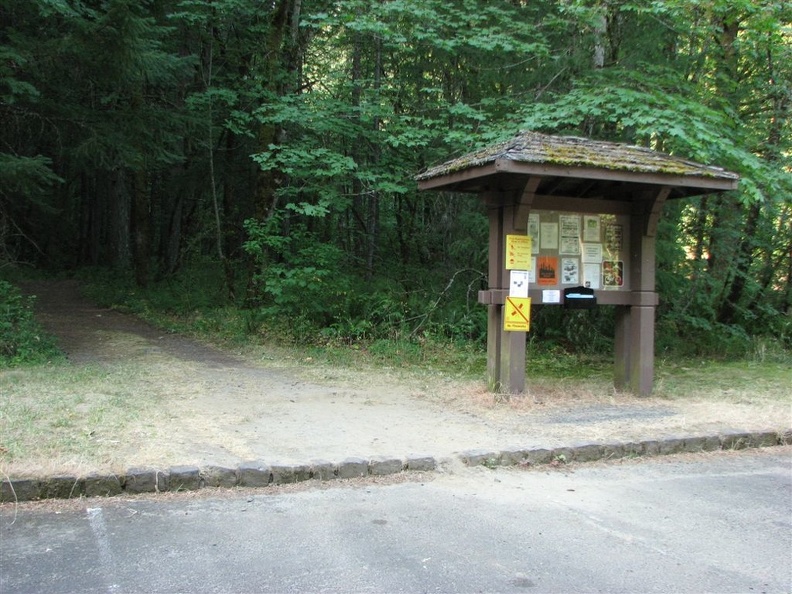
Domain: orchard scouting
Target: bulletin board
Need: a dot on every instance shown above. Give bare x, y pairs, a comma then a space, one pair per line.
570, 249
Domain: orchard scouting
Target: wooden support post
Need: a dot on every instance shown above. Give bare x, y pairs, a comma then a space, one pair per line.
634, 347
621, 372
494, 330
641, 360
495, 310
512, 349
505, 350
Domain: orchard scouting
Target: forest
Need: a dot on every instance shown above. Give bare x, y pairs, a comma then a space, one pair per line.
259, 156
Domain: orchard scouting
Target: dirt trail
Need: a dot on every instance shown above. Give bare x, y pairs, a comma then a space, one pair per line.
220, 408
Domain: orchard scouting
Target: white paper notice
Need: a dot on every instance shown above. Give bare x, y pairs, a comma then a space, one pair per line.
570, 246
591, 228
591, 276
592, 253
551, 296
549, 240
570, 271
518, 285
533, 232
570, 225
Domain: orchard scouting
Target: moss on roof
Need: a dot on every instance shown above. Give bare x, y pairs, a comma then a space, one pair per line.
571, 151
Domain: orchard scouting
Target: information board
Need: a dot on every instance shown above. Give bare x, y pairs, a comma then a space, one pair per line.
579, 249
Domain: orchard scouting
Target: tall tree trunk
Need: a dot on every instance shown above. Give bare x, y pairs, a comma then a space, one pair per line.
373, 214
786, 306
698, 233
172, 245
356, 150
141, 227
729, 306
119, 219
280, 58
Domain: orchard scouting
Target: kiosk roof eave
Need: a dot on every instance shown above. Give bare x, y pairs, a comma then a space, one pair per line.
494, 174
575, 167
459, 181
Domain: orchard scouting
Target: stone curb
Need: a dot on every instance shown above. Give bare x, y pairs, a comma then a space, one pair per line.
256, 473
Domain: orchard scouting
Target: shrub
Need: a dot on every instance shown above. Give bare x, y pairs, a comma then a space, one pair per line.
22, 340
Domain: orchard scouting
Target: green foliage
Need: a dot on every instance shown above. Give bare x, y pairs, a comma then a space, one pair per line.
26, 185
145, 134
577, 332
22, 341
298, 277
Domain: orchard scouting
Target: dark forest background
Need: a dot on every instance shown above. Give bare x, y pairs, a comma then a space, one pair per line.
258, 156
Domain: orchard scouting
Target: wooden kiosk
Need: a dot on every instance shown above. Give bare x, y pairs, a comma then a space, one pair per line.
591, 210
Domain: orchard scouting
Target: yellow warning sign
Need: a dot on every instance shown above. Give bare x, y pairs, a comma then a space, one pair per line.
517, 314
518, 252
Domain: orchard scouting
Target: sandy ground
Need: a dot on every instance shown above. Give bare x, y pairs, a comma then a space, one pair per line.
223, 408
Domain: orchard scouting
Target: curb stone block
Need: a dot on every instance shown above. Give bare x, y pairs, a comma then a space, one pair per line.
352, 468
513, 457
101, 485
219, 476
694, 444
586, 452
538, 456
711, 443
20, 490
650, 447
735, 440
145, 480
671, 445
420, 463
7, 491
785, 438
283, 474
563, 455
480, 458
254, 474
764, 439
62, 487
184, 478
634, 449
323, 470
612, 451
383, 465
303, 472
163, 480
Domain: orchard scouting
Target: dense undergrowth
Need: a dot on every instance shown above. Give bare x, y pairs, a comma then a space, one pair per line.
22, 340
443, 330
384, 330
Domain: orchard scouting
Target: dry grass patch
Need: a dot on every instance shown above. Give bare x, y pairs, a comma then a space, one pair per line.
71, 419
